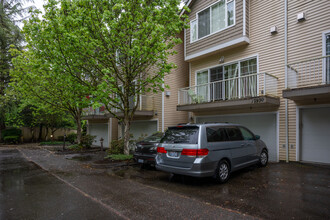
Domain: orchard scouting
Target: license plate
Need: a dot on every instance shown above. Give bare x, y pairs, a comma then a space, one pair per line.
140, 161
173, 153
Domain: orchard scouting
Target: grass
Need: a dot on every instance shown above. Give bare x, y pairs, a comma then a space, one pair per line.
52, 143
76, 147
119, 157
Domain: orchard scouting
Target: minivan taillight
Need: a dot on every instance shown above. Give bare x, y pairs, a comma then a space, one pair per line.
195, 152
161, 150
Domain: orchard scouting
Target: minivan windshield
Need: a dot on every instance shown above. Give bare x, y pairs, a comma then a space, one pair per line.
182, 135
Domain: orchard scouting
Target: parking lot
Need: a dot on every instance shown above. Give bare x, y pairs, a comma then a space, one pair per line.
278, 191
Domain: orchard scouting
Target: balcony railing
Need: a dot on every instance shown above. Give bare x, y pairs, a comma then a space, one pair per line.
252, 85
98, 111
309, 73
146, 103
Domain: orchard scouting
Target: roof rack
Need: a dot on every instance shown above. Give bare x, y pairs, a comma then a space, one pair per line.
216, 122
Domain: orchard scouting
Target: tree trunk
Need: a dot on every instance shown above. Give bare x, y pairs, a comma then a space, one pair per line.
127, 125
46, 135
40, 133
79, 133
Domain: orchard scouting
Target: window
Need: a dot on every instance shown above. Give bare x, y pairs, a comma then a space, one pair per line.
216, 134
327, 53
247, 135
234, 134
228, 81
215, 18
184, 135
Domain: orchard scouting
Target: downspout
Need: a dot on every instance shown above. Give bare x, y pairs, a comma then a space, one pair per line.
286, 77
163, 111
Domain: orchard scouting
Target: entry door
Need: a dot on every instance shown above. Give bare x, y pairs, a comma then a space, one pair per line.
217, 87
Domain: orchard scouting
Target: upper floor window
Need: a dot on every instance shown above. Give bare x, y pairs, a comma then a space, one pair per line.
212, 19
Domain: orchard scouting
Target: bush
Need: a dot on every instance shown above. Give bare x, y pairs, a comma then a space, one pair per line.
76, 147
11, 132
120, 157
117, 147
11, 139
87, 140
60, 138
72, 137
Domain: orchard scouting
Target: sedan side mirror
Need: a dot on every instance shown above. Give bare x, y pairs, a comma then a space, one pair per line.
257, 137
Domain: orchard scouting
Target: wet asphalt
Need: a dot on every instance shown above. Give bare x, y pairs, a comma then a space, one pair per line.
28, 192
66, 188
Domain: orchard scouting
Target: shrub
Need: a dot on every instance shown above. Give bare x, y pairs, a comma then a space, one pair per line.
87, 140
76, 147
72, 137
117, 147
120, 157
60, 138
11, 139
11, 132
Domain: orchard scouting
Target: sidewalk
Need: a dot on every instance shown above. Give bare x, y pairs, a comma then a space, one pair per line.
127, 198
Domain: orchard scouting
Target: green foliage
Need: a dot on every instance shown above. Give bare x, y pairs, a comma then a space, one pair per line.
51, 143
119, 157
11, 132
11, 139
72, 137
97, 48
76, 147
117, 147
87, 140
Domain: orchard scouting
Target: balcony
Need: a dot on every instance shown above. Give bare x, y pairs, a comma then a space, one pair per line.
308, 79
145, 107
95, 114
253, 90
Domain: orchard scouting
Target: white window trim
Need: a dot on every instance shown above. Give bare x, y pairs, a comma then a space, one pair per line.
226, 19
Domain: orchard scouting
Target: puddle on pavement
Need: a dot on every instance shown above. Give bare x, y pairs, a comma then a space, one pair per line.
79, 157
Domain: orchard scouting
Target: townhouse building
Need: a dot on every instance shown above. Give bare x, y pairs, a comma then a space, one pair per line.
262, 64
244, 67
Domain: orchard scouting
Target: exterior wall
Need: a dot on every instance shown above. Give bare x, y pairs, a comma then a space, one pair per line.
177, 79
270, 52
220, 37
305, 42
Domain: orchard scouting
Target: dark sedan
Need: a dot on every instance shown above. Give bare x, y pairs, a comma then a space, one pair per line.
146, 150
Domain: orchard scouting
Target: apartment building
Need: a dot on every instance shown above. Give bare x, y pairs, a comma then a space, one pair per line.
244, 67
155, 111
262, 64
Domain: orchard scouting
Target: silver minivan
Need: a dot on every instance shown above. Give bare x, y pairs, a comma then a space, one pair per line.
214, 149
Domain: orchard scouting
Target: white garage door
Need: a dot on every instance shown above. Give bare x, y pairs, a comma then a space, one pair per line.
146, 128
315, 135
100, 131
263, 125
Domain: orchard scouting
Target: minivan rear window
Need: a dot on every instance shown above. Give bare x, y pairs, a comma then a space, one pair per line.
182, 135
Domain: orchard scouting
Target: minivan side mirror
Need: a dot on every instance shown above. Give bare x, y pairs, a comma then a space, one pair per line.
257, 137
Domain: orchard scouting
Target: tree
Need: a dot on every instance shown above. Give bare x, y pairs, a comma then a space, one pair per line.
11, 13
43, 84
105, 46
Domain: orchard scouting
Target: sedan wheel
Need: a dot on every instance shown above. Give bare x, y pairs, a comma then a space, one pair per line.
263, 158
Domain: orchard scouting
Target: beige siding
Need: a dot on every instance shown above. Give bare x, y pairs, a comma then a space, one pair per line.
270, 51
177, 79
221, 37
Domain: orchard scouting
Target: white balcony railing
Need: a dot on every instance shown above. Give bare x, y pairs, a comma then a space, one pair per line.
146, 104
312, 72
252, 85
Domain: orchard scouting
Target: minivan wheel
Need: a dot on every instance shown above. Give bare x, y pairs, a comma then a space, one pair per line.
263, 158
223, 171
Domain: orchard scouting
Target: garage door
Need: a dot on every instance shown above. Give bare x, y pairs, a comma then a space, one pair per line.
315, 135
263, 125
100, 131
139, 128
